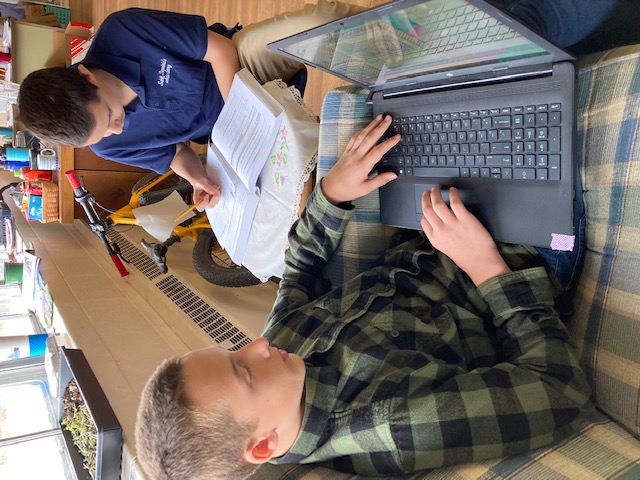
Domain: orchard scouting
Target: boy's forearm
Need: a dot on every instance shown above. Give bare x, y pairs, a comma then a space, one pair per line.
531, 333
312, 241
186, 163
223, 57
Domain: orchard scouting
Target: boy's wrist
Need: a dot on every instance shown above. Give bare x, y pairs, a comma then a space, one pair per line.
487, 272
333, 198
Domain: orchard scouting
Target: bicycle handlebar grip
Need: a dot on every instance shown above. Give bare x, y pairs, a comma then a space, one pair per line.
73, 180
116, 259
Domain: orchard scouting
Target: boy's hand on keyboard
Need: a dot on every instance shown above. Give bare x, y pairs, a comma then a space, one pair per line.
459, 234
349, 177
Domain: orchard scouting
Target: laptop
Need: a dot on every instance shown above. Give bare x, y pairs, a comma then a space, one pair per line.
483, 104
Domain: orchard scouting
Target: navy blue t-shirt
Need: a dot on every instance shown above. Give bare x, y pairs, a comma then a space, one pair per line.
159, 55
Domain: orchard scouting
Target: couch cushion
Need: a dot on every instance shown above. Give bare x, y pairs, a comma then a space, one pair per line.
345, 112
606, 325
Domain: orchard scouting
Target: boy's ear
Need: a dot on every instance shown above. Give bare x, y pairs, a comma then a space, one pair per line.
261, 450
85, 72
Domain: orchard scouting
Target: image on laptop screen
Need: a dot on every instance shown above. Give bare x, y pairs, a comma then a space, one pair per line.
432, 37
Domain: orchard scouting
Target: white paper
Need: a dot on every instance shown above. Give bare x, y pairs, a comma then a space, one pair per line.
236, 202
30, 267
159, 219
246, 128
241, 141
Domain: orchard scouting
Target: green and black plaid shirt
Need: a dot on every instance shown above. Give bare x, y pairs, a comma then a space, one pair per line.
410, 366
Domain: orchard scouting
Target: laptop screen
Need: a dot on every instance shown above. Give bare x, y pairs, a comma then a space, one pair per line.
434, 36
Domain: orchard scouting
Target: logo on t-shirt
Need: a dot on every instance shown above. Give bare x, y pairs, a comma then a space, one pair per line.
165, 72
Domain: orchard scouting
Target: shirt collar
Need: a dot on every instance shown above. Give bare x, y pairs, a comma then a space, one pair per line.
316, 421
124, 69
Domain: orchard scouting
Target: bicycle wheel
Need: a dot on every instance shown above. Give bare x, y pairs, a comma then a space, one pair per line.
214, 265
163, 189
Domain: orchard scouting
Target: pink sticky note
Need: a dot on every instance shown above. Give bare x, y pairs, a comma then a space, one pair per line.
562, 242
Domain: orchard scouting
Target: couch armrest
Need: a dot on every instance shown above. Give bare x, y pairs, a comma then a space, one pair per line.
345, 112
606, 326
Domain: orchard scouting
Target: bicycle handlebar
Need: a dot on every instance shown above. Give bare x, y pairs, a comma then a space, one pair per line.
73, 180
119, 265
84, 198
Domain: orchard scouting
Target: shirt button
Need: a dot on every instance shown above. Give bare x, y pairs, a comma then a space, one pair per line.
387, 288
156, 104
395, 333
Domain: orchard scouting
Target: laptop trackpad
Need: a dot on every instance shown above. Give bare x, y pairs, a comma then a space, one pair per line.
468, 197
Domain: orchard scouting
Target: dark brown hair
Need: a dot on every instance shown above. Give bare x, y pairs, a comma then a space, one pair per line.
53, 102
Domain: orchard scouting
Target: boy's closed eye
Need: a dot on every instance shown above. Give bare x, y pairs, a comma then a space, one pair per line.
248, 374
241, 371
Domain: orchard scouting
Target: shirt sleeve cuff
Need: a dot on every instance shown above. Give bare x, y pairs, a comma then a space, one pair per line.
318, 206
522, 289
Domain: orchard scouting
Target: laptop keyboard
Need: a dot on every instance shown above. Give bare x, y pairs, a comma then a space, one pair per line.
509, 143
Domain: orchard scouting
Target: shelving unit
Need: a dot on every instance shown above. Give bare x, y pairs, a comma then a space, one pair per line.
37, 46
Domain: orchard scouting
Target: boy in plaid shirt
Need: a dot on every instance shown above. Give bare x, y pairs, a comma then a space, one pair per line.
449, 351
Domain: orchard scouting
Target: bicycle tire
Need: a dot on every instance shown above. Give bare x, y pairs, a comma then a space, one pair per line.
217, 267
143, 182
182, 186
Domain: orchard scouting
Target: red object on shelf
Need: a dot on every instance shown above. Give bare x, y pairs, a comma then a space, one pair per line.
31, 188
36, 175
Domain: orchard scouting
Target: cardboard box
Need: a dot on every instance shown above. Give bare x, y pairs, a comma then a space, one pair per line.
35, 208
37, 14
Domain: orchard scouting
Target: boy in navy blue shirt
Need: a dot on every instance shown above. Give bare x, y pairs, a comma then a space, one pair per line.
153, 80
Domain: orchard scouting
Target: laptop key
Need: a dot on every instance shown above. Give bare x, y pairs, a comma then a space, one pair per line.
524, 173
501, 147
554, 167
438, 172
554, 139
498, 160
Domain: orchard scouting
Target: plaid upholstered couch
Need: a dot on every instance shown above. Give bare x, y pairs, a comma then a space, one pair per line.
606, 326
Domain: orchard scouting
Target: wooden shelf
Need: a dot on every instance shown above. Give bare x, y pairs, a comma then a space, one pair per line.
66, 204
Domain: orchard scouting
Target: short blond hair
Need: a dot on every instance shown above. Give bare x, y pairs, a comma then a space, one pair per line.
176, 442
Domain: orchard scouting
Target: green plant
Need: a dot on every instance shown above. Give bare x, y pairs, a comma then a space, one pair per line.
77, 420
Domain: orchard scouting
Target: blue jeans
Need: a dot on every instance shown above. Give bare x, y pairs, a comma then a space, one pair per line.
563, 22
567, 265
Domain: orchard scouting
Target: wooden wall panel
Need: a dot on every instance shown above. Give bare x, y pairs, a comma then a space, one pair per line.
112, 190
85, 159
229, 12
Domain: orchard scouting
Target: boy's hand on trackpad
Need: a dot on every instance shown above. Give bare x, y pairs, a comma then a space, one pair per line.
459, 234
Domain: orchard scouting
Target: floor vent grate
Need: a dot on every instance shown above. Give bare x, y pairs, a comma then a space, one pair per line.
203, 314
135, 256
220, 329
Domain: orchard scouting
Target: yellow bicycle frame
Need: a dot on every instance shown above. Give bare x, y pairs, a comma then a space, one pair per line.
124, 215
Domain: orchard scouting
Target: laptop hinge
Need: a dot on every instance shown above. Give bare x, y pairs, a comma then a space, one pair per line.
497, 75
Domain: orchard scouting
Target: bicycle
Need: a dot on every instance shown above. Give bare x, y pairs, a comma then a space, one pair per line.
209, 258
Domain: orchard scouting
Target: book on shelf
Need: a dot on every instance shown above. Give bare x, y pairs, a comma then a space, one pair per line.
241, 141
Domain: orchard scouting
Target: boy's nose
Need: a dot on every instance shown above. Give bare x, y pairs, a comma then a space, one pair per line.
261, 346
